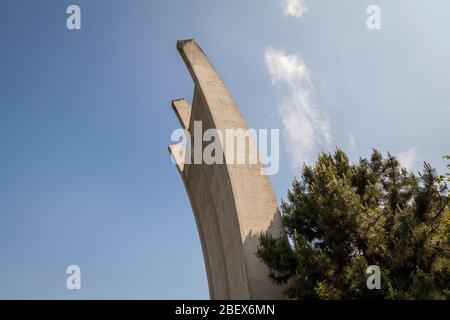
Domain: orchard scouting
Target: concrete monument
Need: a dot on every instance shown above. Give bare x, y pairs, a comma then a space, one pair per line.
232, 203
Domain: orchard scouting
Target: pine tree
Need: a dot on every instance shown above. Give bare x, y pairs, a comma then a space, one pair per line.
341, 218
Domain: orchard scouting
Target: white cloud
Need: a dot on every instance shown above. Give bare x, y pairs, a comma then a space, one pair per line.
305, 126
294, 8
408, 159
352, 141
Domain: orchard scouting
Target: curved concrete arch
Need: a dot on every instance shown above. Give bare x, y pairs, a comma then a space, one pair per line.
232, 203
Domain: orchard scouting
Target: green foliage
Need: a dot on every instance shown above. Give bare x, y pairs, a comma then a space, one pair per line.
442, 181
341, 217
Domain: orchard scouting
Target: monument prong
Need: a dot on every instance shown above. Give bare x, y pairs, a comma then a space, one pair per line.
182, 109
177, 152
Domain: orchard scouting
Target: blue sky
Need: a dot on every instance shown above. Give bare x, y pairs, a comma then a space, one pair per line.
85, 120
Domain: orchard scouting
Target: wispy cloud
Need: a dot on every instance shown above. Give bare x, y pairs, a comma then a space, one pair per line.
408, 158
294, 8
305, 125
352, 141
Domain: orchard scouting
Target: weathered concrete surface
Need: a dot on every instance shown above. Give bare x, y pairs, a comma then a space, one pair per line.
232, 203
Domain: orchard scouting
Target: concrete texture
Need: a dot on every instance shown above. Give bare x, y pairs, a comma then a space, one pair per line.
232, 203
